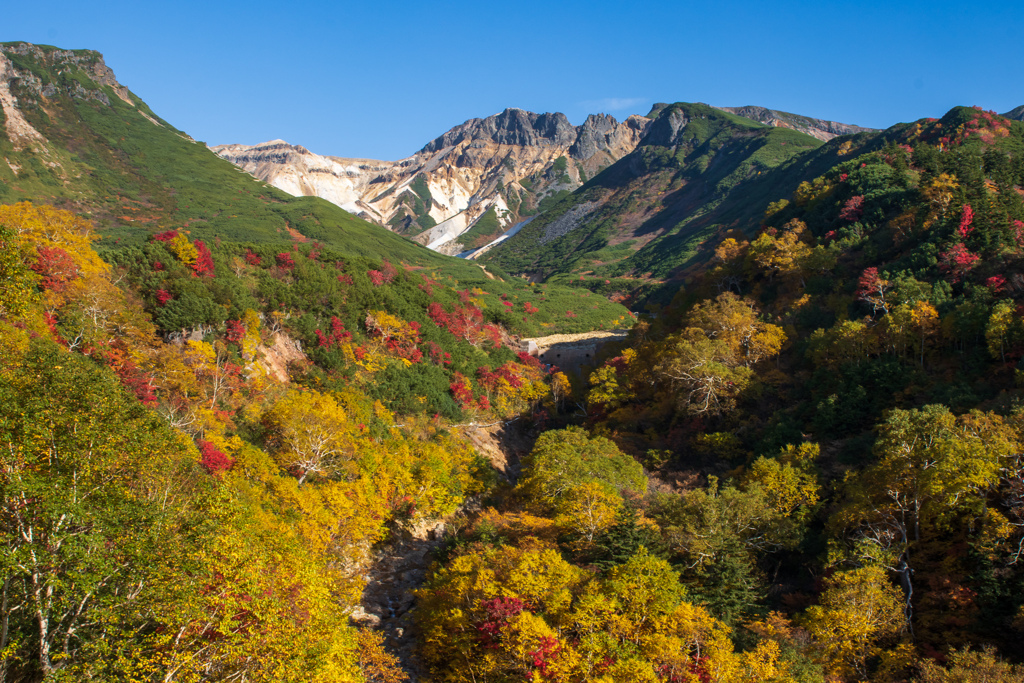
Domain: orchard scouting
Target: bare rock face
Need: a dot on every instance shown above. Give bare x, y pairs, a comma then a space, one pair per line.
83, 75
510, 127
503, 165
602, 138
665, 130
818, 128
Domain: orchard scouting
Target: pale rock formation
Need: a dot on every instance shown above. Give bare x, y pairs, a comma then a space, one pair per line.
457, 177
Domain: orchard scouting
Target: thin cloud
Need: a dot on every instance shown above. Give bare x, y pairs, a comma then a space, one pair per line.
614, 103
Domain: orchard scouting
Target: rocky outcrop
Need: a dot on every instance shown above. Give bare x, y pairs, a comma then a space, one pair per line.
507, 163
88, 61
818, 128
19, 131
98, 82
602, 134
665, 130
510, 127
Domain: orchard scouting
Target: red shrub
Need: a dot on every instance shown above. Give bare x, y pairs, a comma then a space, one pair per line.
165, 236
853, 209
213, 460
236, 331
957, 262
56, 267
204, 260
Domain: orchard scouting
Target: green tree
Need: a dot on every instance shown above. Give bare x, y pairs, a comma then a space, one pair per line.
564, 459
91, 487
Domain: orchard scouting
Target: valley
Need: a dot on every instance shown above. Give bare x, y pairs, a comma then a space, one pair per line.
714, 394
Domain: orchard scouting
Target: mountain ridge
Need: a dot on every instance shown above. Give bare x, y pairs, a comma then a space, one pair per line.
510, 166
694, 174
504, 166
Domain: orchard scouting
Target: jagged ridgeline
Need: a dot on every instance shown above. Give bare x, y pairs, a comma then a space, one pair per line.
80, 140
465, 187
697, 171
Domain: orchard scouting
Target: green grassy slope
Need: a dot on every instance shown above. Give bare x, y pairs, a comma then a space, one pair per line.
136, 175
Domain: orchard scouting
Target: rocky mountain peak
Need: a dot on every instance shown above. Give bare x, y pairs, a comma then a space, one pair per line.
664, 130
88, 61
510, 127
504, 168
602, 133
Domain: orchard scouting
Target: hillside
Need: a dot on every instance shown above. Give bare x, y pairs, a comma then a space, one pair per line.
216, 399
829, 414
699, 171
465, 187
250, 437
78, 139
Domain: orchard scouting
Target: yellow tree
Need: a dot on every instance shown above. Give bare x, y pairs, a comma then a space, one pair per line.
727, 266
313, 434
967, 666
588, 509
932, 465
76, 286
1003, 329
848, 341
858, 615
707, 374
783, 254
925, 322
939, 193
788, 489
561, 389
736, 322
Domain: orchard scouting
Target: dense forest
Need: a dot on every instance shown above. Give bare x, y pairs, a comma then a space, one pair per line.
806, 467
828, 414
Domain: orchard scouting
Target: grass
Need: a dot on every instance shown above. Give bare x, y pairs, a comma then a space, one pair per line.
486, 229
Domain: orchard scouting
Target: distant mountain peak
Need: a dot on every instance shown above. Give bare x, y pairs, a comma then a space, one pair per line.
492, 171
818, 128
1016, 114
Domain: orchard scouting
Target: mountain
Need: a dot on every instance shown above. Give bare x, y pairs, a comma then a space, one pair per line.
462, 189
1016, 113
74, 137
698, 172
816, 128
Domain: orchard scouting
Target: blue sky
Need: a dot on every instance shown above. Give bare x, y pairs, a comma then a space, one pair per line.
379, 79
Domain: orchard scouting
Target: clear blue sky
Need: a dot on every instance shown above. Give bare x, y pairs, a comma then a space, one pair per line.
379, 79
